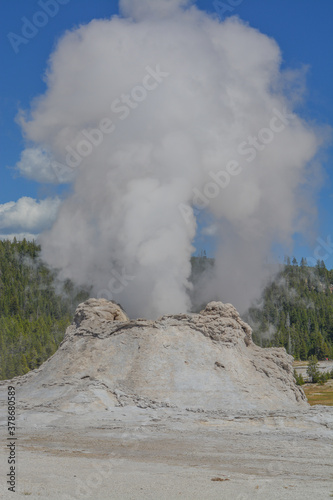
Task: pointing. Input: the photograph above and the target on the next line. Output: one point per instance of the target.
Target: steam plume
(188, 97)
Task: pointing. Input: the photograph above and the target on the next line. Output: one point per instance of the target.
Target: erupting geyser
(156, 117)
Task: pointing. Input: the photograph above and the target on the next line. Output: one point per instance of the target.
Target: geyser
(153, 106)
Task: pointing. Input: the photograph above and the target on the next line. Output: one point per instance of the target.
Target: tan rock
(99, 310)
(198, 361)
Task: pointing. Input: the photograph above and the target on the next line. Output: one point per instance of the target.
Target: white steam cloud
(160, 113)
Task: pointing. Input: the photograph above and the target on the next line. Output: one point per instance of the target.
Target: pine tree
(312, 369)
(33, 318)
(298, 303)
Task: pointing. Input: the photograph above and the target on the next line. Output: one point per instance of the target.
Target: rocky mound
(205, 360)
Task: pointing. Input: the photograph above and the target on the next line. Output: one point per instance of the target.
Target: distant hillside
(295, 310)
(33, 317)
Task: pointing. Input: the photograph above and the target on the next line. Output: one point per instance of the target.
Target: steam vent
(197, 361)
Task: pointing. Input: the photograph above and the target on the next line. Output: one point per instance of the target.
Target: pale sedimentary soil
(135, 453)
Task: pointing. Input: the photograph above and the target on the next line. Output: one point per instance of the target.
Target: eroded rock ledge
(220, 322)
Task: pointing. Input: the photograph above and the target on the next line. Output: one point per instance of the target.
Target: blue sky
(302, 29)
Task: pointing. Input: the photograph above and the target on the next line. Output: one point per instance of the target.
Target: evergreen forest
(296, 311)
(35, 308)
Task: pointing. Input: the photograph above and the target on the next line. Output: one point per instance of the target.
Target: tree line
(296, 311)
(35, 309)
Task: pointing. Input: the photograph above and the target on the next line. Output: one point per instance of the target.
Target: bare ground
(133, 453)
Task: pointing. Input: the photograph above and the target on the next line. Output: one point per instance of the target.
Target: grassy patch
(300, 363)
(319, 394)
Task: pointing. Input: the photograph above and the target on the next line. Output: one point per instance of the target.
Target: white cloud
(27, 217)
(38, 165)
